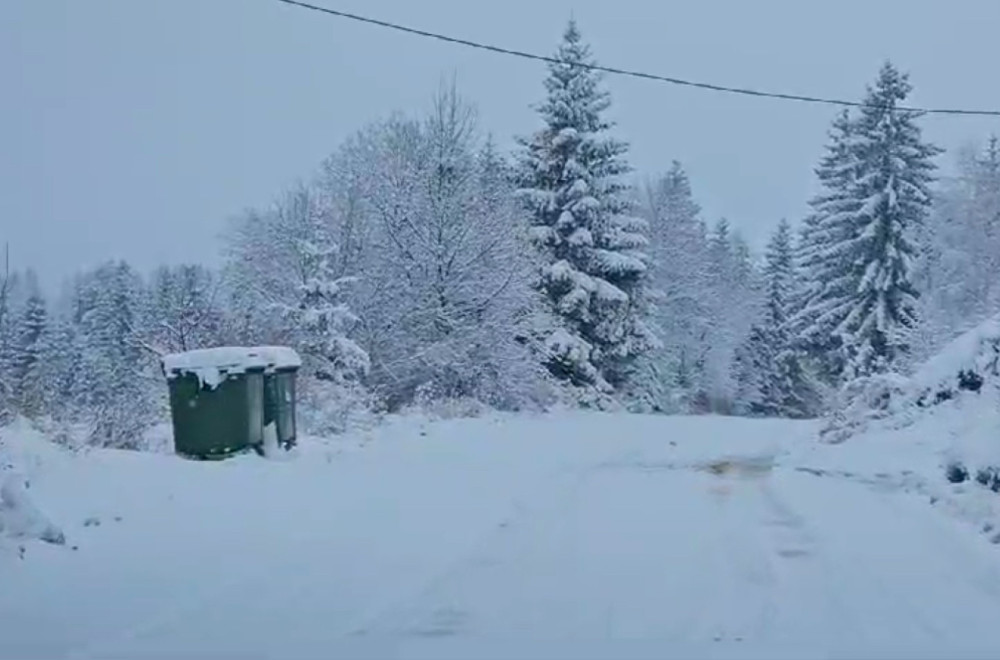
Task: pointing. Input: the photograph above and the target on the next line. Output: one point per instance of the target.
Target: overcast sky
(134, 128)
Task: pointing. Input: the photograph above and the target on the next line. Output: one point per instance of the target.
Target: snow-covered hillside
(568, 535)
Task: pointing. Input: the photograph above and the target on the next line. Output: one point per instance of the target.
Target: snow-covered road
(563, 536)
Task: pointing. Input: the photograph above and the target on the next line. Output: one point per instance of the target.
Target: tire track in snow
(873, 555)
(742, 577)
(412, 615)
(806, 571)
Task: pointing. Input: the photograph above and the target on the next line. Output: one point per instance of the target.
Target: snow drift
(19, 517)
(23, 453)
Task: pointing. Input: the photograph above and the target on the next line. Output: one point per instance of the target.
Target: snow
(963, 376)
(19, 517)
(910, 432)
(565, 535)
(279, 357)
(223, 357)
(618, 263)
(210, 364)
(581, 236)
(271, 448)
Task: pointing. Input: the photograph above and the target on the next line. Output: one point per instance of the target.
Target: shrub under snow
(959, 388)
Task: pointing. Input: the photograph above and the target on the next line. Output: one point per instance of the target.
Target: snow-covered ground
(568, 535)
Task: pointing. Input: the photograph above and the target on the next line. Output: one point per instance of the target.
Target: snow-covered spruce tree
(770, 380)
(822, 258)
(679, 276)
(779, 276)
(894, 169)
(733, 297)
(6, 343)
(61, 367)
(117, 382)
(862, 306)
(594, 271)
(30, 353)
(11, 306)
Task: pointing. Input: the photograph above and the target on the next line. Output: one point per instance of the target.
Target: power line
(745, 91)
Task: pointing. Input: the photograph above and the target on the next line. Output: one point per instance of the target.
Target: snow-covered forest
(421, 265)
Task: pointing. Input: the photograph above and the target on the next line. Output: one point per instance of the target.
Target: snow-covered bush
(324, 407)
(436, 406)
(864, 402)
(969, 366)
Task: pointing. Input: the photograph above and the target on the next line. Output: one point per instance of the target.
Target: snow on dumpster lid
(278, 357)
(208, 363)
(230, 358)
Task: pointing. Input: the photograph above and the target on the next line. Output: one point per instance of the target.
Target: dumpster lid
(208, 363)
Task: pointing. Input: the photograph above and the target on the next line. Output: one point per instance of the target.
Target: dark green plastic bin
(279, 404)
(221, 399)
(220, 421)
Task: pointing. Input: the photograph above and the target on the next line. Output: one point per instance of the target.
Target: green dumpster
(216, 400)
(222, 400)
(279, 393)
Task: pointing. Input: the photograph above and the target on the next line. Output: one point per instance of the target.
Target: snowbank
(936, 433)
(24, 453)
(19, 517)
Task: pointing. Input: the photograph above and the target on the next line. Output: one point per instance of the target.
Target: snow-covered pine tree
(581, 221)
(733, 297)
(753, 372)
(30, 352)
(822, 258)
(6, 340)
(894, 170)
(116, 383)
(679, 275)
(779, 276)
(61, 368)
(770, 380)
